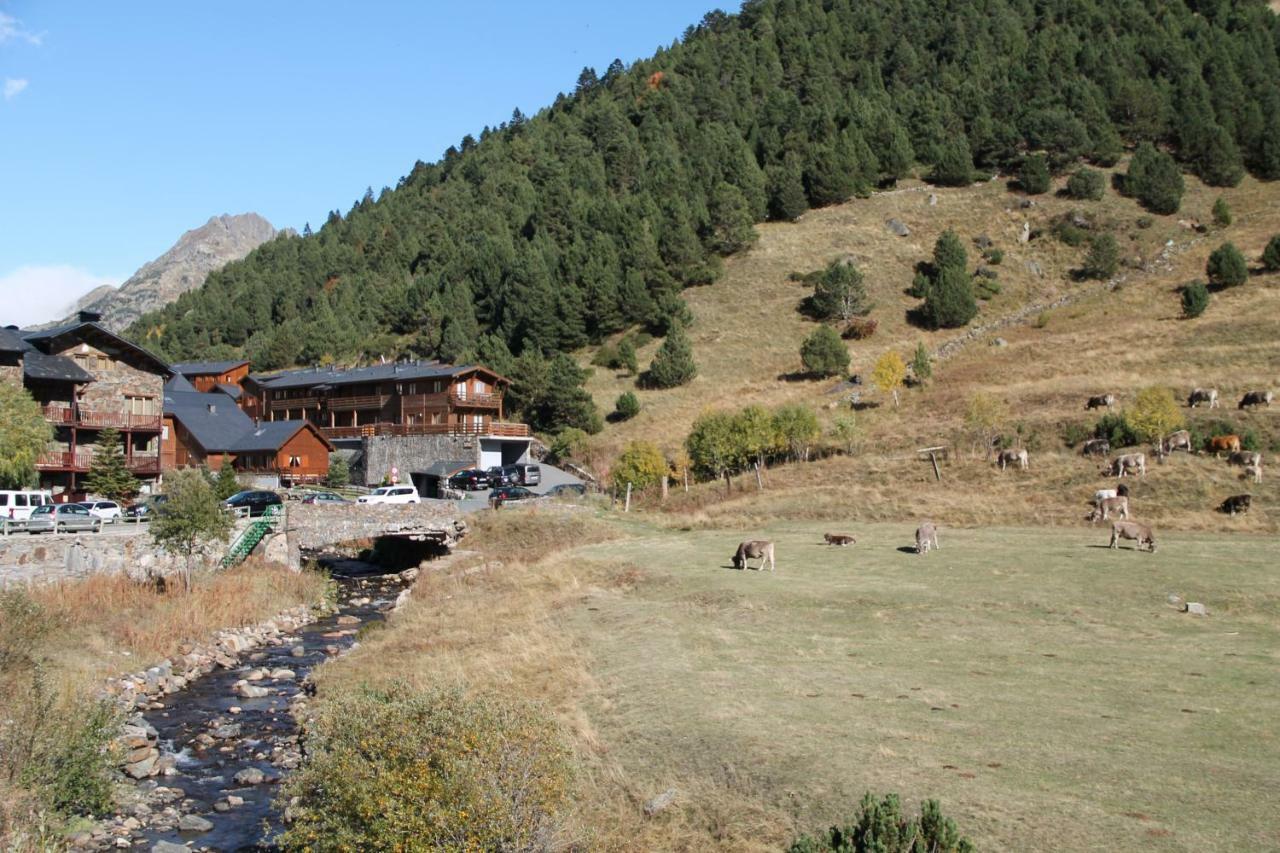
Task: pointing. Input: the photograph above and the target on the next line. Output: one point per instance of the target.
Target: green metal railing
(249, 538)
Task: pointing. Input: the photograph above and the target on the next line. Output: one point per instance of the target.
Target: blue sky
(123, 125)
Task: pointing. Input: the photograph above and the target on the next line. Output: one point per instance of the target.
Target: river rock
(227, 732)
(256, 674)
(410, 575)
(298, 651)
(249, 691)
(348, 620)
(193, 823)
(169, 847)
(283, 674)
(250, 776)
(145, 767)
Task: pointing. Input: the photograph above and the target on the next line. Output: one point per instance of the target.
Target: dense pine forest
(550, 232)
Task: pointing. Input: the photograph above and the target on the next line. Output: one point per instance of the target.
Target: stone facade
(413, 453)
(114, 379)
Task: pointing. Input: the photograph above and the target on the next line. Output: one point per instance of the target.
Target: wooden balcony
(295, 403)
(474, 400)
(82, 461)
(100, 419)
(486, 428)
(349, 404)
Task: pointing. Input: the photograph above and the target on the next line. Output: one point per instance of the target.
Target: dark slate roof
(79, 328)
(268, 437)
(358, 375)
(178, 382)
(232, 391)
(217, 430)
(11, 341)
(206, 368)
(37, 365)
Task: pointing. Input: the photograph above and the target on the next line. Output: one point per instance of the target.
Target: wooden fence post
(627, 506)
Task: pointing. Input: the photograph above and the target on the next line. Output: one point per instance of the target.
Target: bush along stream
(207, 758)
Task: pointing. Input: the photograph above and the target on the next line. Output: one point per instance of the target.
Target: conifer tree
(840, 292)
(1103, 258)
(225, 484)
(823, 353)
(109, 476)
(1034, 174)
(950, 302)
(1271, 255)
(1221, 212)
(922, 364)
(1227, 267)
(787, 200)
(948, 251)
(673, 363)
(1154, 180)
(955, 163)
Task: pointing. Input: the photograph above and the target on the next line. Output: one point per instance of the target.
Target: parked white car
(391, 495)
(18, 505)
(108, 511)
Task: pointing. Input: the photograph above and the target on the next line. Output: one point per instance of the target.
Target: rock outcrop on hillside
(184, 267)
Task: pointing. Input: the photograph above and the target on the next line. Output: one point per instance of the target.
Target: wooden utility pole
(627, 506)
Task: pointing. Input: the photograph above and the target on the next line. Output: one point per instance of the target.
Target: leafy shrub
(920, 284)
(567, 444)
(881, 827)
(397, 768)
(627, 406)
(1221, 213)
(1103, 258)
(1195, 299)
(1070, 233)
(641, 464)
(1086, 184)
(1271, 255)
(985, 286)
(1115, 429)
(859, 328)
(823, 353)
(993, 256)
(607, 357)
(1074, 433)
(1227, 267)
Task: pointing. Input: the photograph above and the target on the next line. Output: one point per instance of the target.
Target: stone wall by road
(414, 453)
(45, 558)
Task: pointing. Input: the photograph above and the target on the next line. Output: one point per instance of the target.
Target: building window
(295, 461)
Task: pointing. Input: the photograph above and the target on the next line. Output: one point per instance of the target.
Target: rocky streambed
(211, 751)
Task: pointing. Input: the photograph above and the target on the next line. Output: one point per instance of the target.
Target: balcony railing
(82, 460)
(347, 404)
(486, 428)
(471, 398)
(99, 419)
(295, 403)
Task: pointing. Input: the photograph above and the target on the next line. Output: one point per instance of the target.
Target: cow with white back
(1096, 447)
(1256, 398)
(1128, 463)
(1012, 457)
(1102, 401)
(1208, 396)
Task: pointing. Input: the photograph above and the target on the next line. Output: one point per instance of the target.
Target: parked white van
(17, 505)
(391, 495)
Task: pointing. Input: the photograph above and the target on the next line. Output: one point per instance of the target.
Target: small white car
(108, 511)
(391, 495)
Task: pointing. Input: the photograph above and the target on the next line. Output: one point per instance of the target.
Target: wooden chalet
(87, 379)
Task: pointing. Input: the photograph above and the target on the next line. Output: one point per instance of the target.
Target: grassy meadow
(1039, 684)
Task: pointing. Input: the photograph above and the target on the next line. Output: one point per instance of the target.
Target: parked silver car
(61, 518)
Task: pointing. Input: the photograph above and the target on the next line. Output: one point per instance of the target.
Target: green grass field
(1038, 684)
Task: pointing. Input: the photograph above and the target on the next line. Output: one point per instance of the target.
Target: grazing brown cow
(1256, 398)
(1096, 447)
(1220, 444)
(1102, 401)
(1180, 440)
(1127, 464)
(1236, 504)
(926, 538)
(839, 539)
(1140, 533)
(754, 549)
(1108, 506)
(1012, 457)
(1203, 395)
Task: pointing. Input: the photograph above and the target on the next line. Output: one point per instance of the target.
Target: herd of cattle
(1106, 502)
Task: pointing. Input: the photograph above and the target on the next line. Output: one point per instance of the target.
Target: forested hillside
(550, 232)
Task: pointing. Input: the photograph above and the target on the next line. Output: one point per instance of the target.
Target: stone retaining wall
(41, 559)
(414, 453)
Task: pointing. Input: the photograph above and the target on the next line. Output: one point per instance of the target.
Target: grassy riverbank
(58, 642)
(1041, 686)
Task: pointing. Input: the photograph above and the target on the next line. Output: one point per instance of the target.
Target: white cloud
(13, 87)
(32, 294)
(11, 29)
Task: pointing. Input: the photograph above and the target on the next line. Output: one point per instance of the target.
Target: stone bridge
(320, 527)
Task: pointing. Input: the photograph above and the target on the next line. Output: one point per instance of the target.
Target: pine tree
(823, 353)
(225, 484)
(109, 476)
(1271, 255)
(921, 364)
(955, 163)
(626, 407)
(732, 228)
(787, 200)
(1034, 174)
(627, 356)
(1227, 267)
(950, 302)
(673, 363)
(1154, 180)
(1195, 299)
(948, 251)
(1221, 213)
(840, 292)
(1103, 258)
(339, 471)
(1086, 184)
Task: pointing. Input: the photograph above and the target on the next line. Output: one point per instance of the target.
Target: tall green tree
(24, 435)
(1155, 180)
(225, 484)
(190, 519)
(840, 291)
(673, 363)
(109, 476)
(950, 303)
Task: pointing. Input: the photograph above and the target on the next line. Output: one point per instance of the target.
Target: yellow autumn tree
(1154, 414)
(889, 373)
